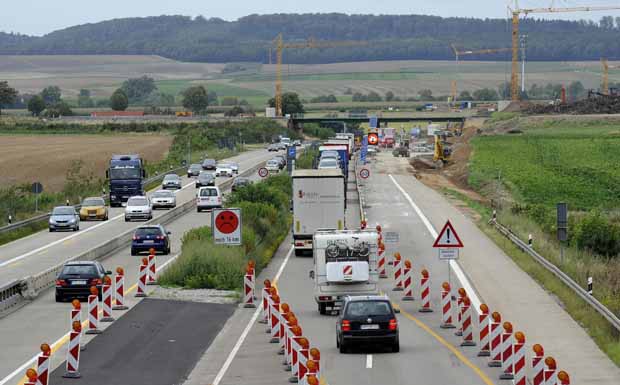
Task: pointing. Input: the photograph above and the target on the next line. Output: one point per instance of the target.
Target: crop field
(48, 157)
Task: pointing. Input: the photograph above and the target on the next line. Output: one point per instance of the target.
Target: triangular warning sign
(448, 237)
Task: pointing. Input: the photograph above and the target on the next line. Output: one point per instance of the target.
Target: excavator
(442, 152)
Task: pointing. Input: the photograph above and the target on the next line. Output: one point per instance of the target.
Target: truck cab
(125, 175)
(345, 263)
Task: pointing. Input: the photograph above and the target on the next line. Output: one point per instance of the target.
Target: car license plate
(148, 241)
(369, 327)
(80, 282)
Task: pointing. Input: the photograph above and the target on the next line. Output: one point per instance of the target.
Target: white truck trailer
(318, 203)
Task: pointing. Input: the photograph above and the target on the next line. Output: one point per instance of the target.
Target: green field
(175, 87)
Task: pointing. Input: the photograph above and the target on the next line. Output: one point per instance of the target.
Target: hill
(390, 37)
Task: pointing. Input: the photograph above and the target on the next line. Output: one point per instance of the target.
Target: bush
(595, 232)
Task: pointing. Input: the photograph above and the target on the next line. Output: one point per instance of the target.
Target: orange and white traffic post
(398, 272)
(312, 372)
(265, 296)
(459, 311)
(142, 278)
(285, 310)
(496, 340)
(248, 288)
(151, 268)
(76, 315)
(288, 354)
(381, 264)
(425, 292)
(302, 361)
(119, 290)
(468, 330)
(563, 377)
(43, 364)
(295, 350)
(519, 359)
(483, 331)
(93, 312)
(315, 354)
(275, 319)
(311, 379)
(507, 353)
(538, 365)
(407, 282)
(106, 302)
(270, 293)
(31, 377)
(446, 306)
(551, 377)
(73, 352)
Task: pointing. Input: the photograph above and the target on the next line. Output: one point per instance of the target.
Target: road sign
(226, 226)
(391, 237)
(446, 254)
(364, 151)
(364, 173)
(373, 139)
(373, 122)
(36, 188)
(448, 238)
(263, 172)
(291, 151)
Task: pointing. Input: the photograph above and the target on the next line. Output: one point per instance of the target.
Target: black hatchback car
(147, 237)
(240, 182)
(76, 278)
(367, 320)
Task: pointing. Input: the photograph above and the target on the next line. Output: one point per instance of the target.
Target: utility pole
(523, 39)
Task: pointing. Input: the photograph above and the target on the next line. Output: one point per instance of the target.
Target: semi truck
(126, 175)
(345, 263)
(318, 203)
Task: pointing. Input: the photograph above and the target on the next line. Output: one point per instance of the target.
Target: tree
(465, 95)
(607, 22)
(374, 97)
(504, 90)
(138, 89)
(426, 94)
(119, 100)
(212, 96)
(235, 111)
(196, 99)
(486, 94)
(58, 109)
(36, 105)
(389, 96)
(84, 99)
(291, 104)
(575, 90)
(159, 99)
(8, 94)
(51, 95)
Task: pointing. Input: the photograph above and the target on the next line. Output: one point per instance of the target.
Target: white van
(208, 197)
(345, 263)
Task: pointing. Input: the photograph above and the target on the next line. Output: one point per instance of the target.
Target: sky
(38, 17)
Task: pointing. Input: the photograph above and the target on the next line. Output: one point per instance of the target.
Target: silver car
(171, 181)
(163, 199)
(138, 207)
(64, 218)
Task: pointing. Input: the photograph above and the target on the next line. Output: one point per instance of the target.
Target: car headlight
(52, 221)
(72, 220)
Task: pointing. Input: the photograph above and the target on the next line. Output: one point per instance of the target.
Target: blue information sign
(292, 151)
(364, 151)
(373, 122)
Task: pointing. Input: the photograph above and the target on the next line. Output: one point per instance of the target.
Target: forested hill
(389, 37)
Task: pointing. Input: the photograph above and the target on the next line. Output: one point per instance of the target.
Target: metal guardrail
(568, 281)
(42, 217)
(18, 292)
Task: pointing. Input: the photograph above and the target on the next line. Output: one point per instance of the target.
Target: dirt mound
(600, 104)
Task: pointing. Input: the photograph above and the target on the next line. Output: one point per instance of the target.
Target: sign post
(226, 225)
(448, 244)
(291, 154)
(562, 225)
(36, 188)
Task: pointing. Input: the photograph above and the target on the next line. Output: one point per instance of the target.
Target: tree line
(389, 37)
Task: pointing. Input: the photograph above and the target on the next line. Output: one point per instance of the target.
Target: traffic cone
(31, 376)
(519, 359)
(142, 278)
(93, 312)
(425, 292)
(483, 331)
(446, 306)
(551, 377)
(496, 339)
(119, 290)
(468, 333)
(152, 269)
(107, 300)
(73, 352)
(538, 365)
(507, 354)
(408, 290)
(43, 365)
(398, 271)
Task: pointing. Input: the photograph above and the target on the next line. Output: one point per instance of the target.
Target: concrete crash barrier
(16, 293)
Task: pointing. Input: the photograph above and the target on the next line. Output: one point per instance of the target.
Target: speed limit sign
(364, 173)
(263, 172)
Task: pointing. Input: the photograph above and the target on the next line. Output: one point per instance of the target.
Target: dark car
(76, 278)
(240, 182)
(209, 164)
(171, 181)
(205, 179)
(367, 320)
(194, 170)
(147, 237)
(282, 159)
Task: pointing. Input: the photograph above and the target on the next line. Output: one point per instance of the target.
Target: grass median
(266, 221)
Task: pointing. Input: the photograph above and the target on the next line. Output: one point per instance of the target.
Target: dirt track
(46, 158)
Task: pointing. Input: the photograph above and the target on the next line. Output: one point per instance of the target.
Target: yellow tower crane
(516, 13)
(605, 77)
(458, 53)
(280, 45)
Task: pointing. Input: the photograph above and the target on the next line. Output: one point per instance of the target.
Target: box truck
(318, 203)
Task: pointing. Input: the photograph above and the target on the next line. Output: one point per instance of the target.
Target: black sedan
(367, 320)
(77, 277)
(240, 182)
(205, 179)
(209, 164)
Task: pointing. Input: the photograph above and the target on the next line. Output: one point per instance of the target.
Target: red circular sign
(364, 173)
(227, 222)
(373, 139)
(263, 172)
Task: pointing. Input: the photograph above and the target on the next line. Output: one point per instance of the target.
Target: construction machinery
(442, 153)
(280, 45)
(458, 53)
(516, 13)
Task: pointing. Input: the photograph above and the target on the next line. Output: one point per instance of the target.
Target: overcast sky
(38, 17)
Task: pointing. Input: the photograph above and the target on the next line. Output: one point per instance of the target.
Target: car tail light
(135, 237)
(325, 298)
(299, 243)
(61, 282)
(95, 281)
(393, 324)
(346, 325)
(219, 200)
(160, 237)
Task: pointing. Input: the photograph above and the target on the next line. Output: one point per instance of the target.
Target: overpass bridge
(297, 121)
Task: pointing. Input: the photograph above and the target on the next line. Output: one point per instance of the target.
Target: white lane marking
(368, 361)
(453, 264)
(31, 362)
(246, 331)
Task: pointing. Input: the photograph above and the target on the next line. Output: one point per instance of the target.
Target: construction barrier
(106, 302)
(446, 306)
(398, 273)
(265, 295)
(425, 292)
(302, 361)
(295, 348)
(288, 354)
(43, 365)
(381, 264)
(73, 352)
(76, 315)
(93, 312)
(285, 310)
(551, 377)
(151, 268)
(312, 373)
(538, 365)
(119, 290)
(496, 339)
(468, 332)
(275, 319)
(483, 331)
(407, 282)
(519, 359)
(32, 377)
(563, 377)
(459, 311)
(507, 354)
(315, 354)
(248, 288)
(142, 277)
